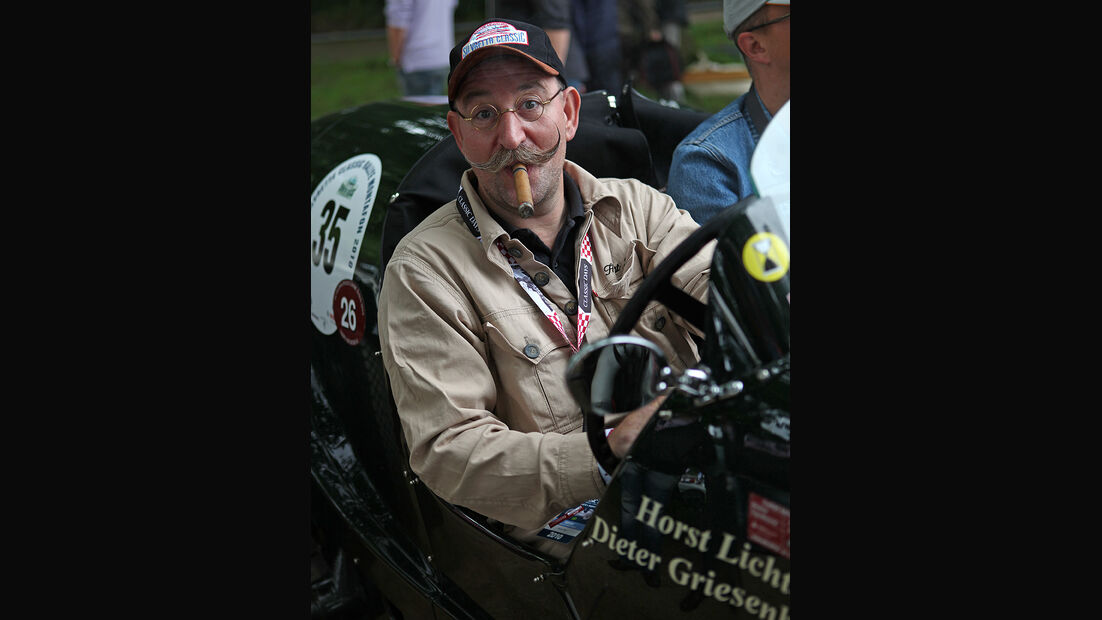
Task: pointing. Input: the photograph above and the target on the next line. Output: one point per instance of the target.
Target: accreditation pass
(569, 523)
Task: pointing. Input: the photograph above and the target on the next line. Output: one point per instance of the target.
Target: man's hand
(623, 436)
(395, 39)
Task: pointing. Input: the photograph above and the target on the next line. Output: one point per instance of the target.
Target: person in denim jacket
(710, 170)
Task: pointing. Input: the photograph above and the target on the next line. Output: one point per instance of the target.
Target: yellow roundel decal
(765, 257)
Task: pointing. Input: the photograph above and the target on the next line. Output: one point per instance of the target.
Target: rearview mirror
(617, 375)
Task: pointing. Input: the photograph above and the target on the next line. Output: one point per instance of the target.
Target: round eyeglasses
(485, 116)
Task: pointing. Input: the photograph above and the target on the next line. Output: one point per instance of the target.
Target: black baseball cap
(520, 38)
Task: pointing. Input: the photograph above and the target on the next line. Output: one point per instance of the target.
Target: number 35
(318, 251)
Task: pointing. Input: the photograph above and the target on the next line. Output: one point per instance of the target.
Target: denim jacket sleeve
(710, 170)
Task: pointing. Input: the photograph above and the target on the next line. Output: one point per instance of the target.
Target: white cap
(736, 11)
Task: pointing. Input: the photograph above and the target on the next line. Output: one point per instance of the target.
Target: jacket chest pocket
(655, 323)
(619, 279)
(529, 362)
(622, 273)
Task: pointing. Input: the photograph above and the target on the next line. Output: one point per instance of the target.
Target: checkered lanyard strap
(585, 277)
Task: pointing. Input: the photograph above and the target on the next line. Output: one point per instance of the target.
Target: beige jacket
(488, 426)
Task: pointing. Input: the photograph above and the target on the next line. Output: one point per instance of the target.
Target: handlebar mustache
(528, 156)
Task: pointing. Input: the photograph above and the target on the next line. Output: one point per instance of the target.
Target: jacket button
(571, 307)
(532, 351)
(515, 252)
(660, 323)
(541, 278)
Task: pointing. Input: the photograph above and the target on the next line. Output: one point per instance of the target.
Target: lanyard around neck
(585, 276)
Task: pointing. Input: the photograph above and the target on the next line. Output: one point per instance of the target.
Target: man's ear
(572, 106)
(454, 121)
(752, 47)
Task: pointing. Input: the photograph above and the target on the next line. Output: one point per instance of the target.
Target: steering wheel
(658, 286)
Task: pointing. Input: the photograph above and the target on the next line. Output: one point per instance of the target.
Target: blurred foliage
(339, 83)
(707, 38)
(337, 15)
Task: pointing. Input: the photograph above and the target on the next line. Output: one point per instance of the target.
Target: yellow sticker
(765, 257)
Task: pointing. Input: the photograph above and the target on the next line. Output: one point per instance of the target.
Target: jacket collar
(596, 198)
(755, 110)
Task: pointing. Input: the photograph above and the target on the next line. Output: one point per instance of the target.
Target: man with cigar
(485, 301)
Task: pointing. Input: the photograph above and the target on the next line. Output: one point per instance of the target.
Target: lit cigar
(524, 190)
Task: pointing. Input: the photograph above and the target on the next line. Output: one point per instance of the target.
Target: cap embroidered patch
(495, 33)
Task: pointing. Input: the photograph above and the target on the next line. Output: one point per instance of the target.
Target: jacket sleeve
(702, 181)
(398, 13)
(553, 14)
(435, 353)
(663, 226)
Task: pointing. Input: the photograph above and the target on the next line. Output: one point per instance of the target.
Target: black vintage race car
(695, 520)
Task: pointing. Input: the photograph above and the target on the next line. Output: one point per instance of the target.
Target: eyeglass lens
(527, 107)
